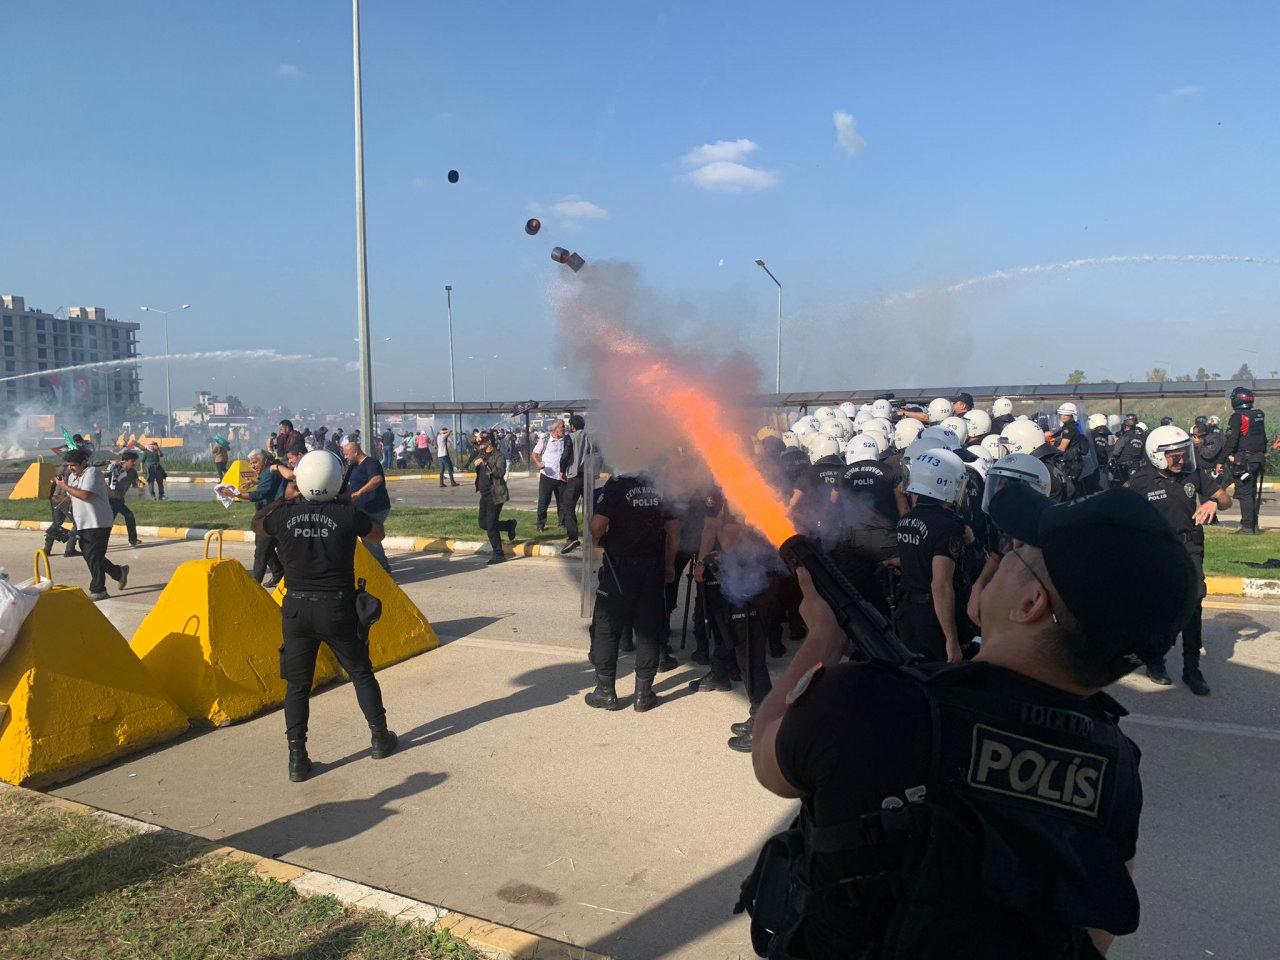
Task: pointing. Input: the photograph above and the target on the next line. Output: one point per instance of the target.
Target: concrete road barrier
(212, 642)
(34, 482)
(77, 695)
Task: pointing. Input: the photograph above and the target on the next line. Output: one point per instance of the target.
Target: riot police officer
(316, 538)
(873, 504)
(987, 809)
(1128, 453)
(1245, 449)
(640, 537)
(931, 540)
(1187, 496)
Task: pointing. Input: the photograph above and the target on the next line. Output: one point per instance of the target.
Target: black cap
(965, 398)
(75, 456)
(1115, 562)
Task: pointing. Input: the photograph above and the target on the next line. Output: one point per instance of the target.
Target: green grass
(75, 887)
(1227, 554)
(405, 521)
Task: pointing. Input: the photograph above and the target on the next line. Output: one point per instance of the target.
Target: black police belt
(320, 594)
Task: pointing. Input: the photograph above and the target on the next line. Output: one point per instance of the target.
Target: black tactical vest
(1011, 849)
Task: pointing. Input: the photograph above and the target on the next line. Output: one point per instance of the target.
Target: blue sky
(182, 152)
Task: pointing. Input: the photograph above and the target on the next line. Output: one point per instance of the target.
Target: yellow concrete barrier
(77, 696)
(34, 482)
(241, 476)
(212, 641)
(402, 631)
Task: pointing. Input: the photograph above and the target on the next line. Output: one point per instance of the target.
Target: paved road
(629, 834)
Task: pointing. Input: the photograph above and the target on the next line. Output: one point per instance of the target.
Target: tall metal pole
(777, 376)
(168, 396)
(362, 271)
(453, 392)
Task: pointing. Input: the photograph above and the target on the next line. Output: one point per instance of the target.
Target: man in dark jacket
(270, 488)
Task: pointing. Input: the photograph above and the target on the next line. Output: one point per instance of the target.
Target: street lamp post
(168, 397)
(484, 374)
(777, 374)
(362, 271)
(453, 393)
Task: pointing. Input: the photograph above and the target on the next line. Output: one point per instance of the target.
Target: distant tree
(1157, 375)
(1201, 373)
(1182, 378)
(1215, 376)
(1106, 381)
(1075, 376)
(1244, 373)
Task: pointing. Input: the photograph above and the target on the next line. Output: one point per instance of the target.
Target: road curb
(1243, 587)
(447, 545)
(494, 939)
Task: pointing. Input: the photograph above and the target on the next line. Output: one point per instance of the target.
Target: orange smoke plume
(701, 421)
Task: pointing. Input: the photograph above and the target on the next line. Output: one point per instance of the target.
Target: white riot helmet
(861, 417)
(1143, 427)
(849, 409)
(844, 420)
(823, 445)
(832, 427)
(1016, 468)
(882, 408)
(318, 476)
(916, 447)
(979, 422)
(822, 413)
(945, 436)
(1169, 439)
(1097, 421)
(886, 423)
(978, 464)
(991, 443)
(905, 431)
(982, 453)
(1068, 409)
(1115, 422)
(805, 425)
(938, 474)
(789, 439)
(959, 424)
(863, 447)
(865, 408)
(878, 427)
(1002, 407)
(1215, 420)
(1022, 436)
(939, 409)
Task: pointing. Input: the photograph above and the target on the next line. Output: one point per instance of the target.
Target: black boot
(701, 656)
(299, 762)
(646, 699)
(510, 527)
(1194, 680)
(741, 743)
(1158, 674)
(383, 743)
(709, 681)
(603, 697)
(666, 659)
(738, 729)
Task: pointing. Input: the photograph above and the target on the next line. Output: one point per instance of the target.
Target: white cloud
(1190, 90)
(574, 208)
(847, 133)
(722, 150)
(717, 166)
(289, 71)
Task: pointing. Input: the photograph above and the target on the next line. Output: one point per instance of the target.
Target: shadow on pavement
(450, 630)
(330, 822)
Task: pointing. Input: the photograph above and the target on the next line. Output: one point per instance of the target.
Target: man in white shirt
(91, 510)
(444, 453)
(547, 455)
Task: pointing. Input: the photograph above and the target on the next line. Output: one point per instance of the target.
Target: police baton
(1257, 497)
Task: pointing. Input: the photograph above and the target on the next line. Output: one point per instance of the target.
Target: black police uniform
(1061, 487)
(868, 495)
(1128, 454)
(1176, 496)
(630, 592)
(1101, 437)
(317, 545)
(1209, 452)
(1246, 442)
(1007, 808)
(930, 529)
